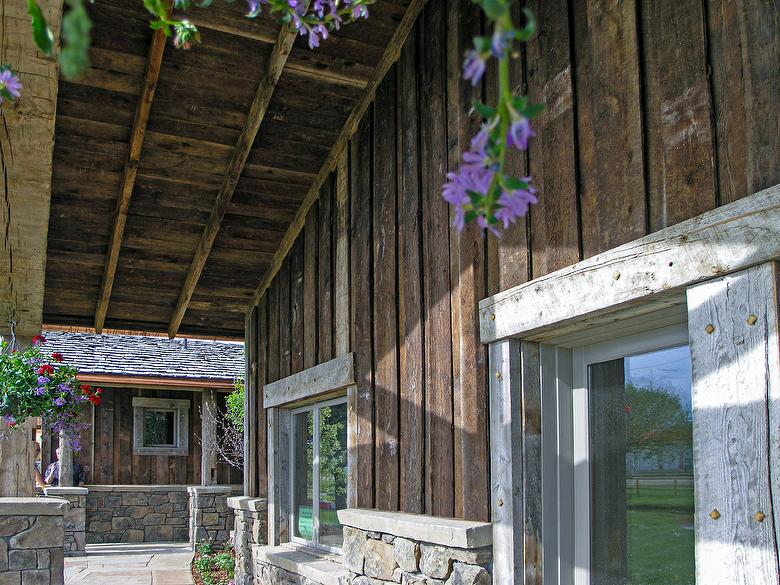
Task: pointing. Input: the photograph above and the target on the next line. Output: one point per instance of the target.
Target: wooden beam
(265, 91)
(143, 107)
(729, 238)
(324, 378)
(390, 56)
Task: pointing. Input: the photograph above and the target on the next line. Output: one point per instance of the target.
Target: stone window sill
(320, 567)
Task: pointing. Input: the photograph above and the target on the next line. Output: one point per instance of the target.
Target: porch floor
(131, 564)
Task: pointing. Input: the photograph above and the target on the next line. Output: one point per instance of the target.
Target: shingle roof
(136, 355)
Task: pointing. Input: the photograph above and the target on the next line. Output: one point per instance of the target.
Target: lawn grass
(660, 536)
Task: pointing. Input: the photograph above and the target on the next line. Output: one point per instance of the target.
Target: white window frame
(315, 513)
(576, 482)
(181, 410)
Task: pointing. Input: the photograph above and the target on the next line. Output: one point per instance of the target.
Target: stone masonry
(157, 513)
(249, 530)
(210, 517)
(75, 519)
(388, 548)
(31, 537)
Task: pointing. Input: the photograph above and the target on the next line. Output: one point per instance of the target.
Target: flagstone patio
(131, 564)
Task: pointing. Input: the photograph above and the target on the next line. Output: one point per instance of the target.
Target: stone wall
(210, 518)
(249, 530)
(75, 519)
(381, 548)
(31, 538)
(135, 513)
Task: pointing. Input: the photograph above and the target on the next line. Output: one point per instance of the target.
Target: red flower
(45, 370)
(86, 389)
(96, 400)
(99, 392)
(57, 356)
(39, 339)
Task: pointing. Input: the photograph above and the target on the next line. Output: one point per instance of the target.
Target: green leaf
(482, 44)
(484, 110)
(42, 34)
(157, 7)
(514, 184)
(529, 30)
(533, 110)
(494, 9)
(76, 29)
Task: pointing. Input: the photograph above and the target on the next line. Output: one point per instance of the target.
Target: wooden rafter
(144, 106)
(265, 91)
(390, 56)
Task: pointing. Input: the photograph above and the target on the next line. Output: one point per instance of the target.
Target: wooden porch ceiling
(177, 174)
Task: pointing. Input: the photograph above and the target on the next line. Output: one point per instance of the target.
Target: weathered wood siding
(114, 461)
(645, 126)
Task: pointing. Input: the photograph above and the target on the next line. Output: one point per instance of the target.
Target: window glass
(333, 472)
(303, 475)
(642, 470)
(159, 428)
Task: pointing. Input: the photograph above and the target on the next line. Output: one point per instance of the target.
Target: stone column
(65, 463)
(17, 453)
(210, 517)
(31, 538)
(208, 462)
(75, 519)
(249, 530)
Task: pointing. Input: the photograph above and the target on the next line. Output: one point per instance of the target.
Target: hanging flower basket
(34, 384)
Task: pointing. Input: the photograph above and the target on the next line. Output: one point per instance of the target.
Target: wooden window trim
(180, 407)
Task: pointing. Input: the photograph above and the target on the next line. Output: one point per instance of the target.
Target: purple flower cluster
(10, 86)
(315, 22)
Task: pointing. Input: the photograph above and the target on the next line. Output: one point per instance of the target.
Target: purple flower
(59, 401)
(65, 388)
(520, 132)
(483, 223)
(514, 204)
(40, 391)
(460, 186)
(360, 11)
(11, 420)
(474, 67)
(500, 43)
(42, 380)
(254, 8)
(9, 82)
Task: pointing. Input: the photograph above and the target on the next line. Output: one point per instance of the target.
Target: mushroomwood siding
(635, 138)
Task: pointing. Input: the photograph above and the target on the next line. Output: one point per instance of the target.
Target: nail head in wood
(616, 276)
(500, 502)
(759, 516)
(714, 514)
(752, 320)
(710, 328)
(492, 316)
(498, 375)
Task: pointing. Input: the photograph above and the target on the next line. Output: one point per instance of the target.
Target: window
(318, 447)
(160, 426)
(625, 463)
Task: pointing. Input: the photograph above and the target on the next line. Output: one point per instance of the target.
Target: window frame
(315, 408)
(567, 398)
(181, 410)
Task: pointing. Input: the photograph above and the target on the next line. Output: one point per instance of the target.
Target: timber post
(65, 463)
(208, 470)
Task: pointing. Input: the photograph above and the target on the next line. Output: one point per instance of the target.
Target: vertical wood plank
(736, 376)
(272, 370)
(555, 239)
(744, 49)
(285, 342)
(439, 480)
(250, 404)
(278, 476)
(325, 267)
(310, 320)
(104, 432)
(260, 418)
(467, 283)
(360, 306)
(612, 184)
(197, 430)
(341, 235)
(681, 178)
(532, 463)
(296, 306)
(410, 313)
(385, 267)
(506, 457)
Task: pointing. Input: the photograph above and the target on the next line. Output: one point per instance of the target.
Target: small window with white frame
(318, 473)
(160, 426)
